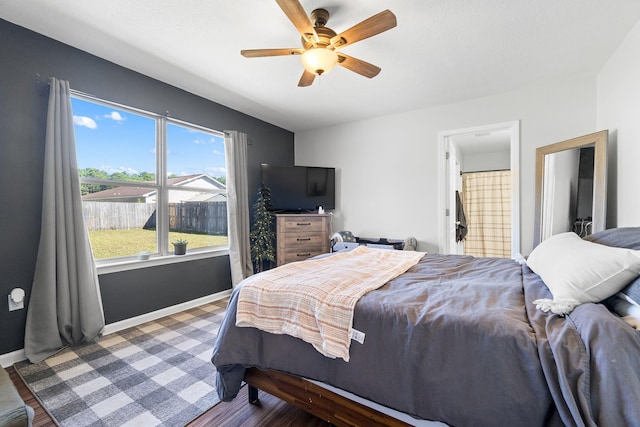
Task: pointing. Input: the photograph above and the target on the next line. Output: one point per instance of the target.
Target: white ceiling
(442, 51)
(483, 142)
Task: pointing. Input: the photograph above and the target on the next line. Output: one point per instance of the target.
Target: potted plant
(180, 247)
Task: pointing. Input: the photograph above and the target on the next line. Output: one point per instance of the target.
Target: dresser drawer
(302, 225)
(306, 240)
(290, 256)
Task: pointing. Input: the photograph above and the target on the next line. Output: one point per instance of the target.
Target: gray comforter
(457, 339)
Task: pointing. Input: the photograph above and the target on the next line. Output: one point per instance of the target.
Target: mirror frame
(597, 140)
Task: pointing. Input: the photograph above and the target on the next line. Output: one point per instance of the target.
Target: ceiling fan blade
(358, 66)
(256, 53)
(306, 79)
(299, 18)
(376, 24)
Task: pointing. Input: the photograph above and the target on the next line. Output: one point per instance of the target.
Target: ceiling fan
(321, 45)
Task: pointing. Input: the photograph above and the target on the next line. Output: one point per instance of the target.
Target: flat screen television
(300, 188)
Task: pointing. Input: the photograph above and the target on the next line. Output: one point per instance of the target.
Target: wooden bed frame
(310, 397)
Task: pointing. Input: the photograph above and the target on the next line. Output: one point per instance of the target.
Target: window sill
(132, 263)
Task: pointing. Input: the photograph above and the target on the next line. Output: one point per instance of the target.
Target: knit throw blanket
(314, 299)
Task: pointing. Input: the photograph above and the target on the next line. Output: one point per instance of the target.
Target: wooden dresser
(301, 236)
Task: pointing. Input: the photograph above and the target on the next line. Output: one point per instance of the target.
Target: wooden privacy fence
(191, 217)
(199, 217)
(117, 216)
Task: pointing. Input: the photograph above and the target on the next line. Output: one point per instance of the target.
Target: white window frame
(164, 255)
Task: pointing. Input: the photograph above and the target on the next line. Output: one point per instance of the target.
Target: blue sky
(114, 140)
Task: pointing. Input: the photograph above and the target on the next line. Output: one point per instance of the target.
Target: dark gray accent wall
(130, 293)
(27, 60)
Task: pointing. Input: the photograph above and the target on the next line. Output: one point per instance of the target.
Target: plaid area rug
(155, 374)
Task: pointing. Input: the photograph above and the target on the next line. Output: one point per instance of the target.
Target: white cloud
(110, 169)
(114, 115)
(85, 121)
(204, 141)
(128, 170)
(218, 171)
(217, 152)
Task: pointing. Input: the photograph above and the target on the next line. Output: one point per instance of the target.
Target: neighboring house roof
(119, 192)
(186, 179)
(141, 192)
(208, 198)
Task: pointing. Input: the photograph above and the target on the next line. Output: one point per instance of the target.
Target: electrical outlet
(14, 305)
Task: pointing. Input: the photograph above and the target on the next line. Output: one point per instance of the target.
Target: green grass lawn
(117, 243)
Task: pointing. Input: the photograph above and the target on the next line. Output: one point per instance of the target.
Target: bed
(464, 341)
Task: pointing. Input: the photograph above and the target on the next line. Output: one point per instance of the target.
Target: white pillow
(577, 271)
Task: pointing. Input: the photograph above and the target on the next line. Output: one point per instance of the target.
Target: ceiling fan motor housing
(319, 17)
(324, 38)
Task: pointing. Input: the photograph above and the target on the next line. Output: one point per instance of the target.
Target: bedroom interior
(382, 135)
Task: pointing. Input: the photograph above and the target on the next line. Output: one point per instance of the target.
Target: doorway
(473, 150)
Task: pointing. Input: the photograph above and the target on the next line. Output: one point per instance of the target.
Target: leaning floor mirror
(571, 186)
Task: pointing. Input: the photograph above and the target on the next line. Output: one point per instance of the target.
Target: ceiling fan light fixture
(319, 60)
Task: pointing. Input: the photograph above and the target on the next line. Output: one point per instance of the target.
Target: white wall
(386, 174)
(618, 109)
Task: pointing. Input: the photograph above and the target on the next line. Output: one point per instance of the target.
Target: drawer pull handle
(307, 254)
(303, 223)
(303, 239)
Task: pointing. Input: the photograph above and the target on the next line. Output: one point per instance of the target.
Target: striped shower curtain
(487, 203)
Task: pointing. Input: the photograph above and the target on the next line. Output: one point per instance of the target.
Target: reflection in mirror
(571, 186)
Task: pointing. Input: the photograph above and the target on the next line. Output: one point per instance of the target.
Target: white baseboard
(8, 359)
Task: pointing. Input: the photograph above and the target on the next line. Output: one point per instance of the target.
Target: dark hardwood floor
(41, 418)
(239, 413)
(270, 411)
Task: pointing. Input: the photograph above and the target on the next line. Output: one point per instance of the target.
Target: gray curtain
(235, 144)
(65, 307)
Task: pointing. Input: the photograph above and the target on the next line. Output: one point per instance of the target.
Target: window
(148, 180)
